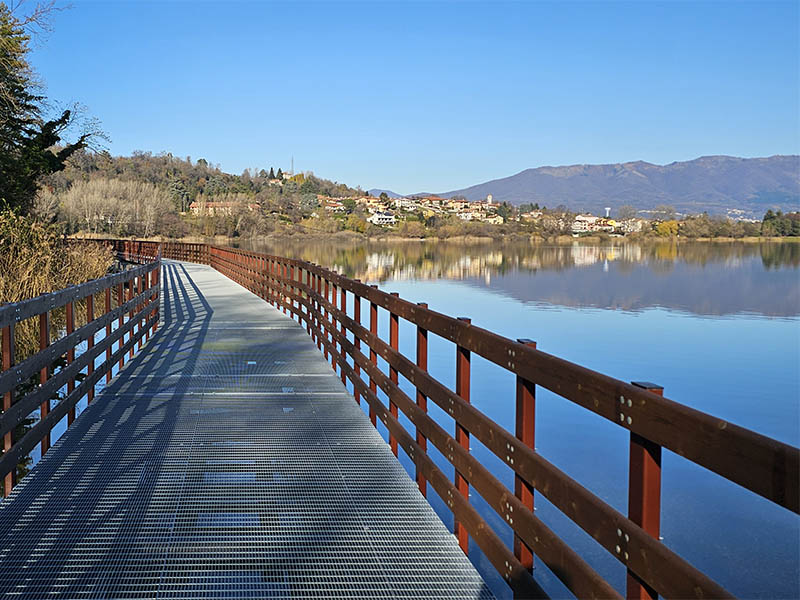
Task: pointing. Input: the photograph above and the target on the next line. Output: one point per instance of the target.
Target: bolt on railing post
(44, 342)
(70, 316)
(462, 436)
(7, 346)
(90, 345)
(644, 491)
(357, 342)
(422, 401)
(525, 432)
(394, 332)
(343, 308)
(373, 356)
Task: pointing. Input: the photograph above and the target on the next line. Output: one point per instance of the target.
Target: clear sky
(431, 96)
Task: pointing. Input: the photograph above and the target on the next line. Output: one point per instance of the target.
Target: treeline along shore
(146, 195)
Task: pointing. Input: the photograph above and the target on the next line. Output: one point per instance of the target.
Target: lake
(716, 324)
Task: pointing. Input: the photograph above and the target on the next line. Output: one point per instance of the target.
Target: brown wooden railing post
(283, 288)
(325, 315)
(525, 432)
(394, 342)
(291, 289)
(310, 301)
(357, 344)
(318, 281)
(644, 492)
(108, 333)
(44, 342)
(343, 308)
(373, 355)
(70, 316)
(334, 324)
(422, 401)
(8, 398)
(139, 306)
(462, 436)
(120, 302)
(90, 345)
(148, 285)
(131, 294)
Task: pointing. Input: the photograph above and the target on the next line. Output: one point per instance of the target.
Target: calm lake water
(718, 325)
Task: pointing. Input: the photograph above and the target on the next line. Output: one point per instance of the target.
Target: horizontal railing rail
(318, 298)
(70, 362)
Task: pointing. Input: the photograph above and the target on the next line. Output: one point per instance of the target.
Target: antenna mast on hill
(293, 164)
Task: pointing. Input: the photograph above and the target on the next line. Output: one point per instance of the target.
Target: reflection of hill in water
(713, 289)
(702, 278)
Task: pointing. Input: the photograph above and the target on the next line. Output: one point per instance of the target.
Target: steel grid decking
(226, 460)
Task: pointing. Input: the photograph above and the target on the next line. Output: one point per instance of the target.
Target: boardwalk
(225, 460)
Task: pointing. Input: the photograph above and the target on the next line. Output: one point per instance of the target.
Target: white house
(382, 218)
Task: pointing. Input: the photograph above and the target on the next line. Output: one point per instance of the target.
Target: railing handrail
(141, 307)
(14, 312)
(740, 455)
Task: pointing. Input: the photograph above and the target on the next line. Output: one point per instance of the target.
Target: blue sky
(431, 96)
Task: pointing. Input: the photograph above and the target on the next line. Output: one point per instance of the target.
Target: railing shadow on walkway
(81, 469)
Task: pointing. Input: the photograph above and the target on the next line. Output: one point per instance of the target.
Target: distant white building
(583, 223)
(382, 218)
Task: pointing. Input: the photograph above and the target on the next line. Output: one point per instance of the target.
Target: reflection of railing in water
(137, 296)
(318, 298)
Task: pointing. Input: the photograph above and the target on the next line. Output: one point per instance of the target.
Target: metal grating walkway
(225, 461)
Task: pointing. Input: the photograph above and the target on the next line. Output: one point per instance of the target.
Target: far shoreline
(349, 237)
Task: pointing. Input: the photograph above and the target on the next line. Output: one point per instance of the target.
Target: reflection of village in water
(381, 266)
(699, 277)
(380, 261)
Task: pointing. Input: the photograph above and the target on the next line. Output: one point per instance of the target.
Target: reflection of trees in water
(775, 256)
(433, 260)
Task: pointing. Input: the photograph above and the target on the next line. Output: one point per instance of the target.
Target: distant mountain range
(716, 184)
(377, 192)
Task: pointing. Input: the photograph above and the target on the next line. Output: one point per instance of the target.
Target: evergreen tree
(26, 137)
(271, 173)
(280, 173)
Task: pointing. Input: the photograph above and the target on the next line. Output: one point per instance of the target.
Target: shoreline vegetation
(344, 237)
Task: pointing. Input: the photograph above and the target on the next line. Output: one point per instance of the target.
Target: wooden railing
(318, 297)
(130, 312)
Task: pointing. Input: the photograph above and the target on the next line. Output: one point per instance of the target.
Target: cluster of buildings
(484, 211)
(593, 224)
(216, 209)
(384, 211)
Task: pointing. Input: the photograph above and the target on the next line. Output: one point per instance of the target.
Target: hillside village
(387, 212)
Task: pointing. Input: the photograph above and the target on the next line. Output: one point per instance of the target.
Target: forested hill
(185, 180)
(714, 184)
(98, 192)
